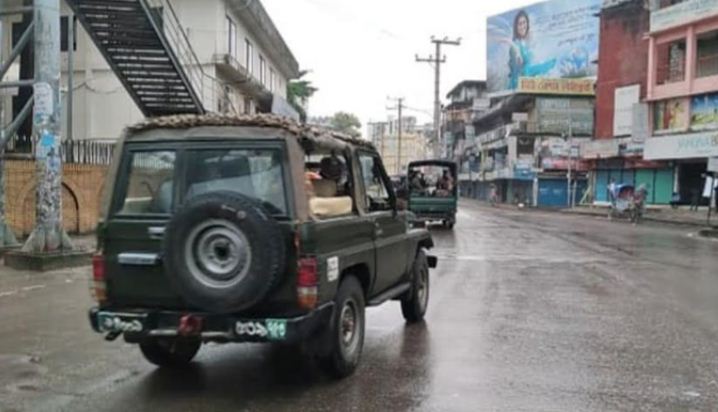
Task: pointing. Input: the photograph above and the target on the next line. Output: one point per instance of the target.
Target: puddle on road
(21, 373)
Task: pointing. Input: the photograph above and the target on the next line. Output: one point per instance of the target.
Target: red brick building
(622, 117)
(623, 59)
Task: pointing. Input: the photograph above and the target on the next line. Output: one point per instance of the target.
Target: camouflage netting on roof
(186, 121)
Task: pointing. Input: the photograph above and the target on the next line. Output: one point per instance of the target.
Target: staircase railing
(211, 91)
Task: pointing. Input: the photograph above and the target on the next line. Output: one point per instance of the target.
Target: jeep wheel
(223, 252)
(346, 331)
(170, 353)
(415, 303)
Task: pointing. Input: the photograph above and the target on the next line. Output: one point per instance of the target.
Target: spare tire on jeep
(223, 252)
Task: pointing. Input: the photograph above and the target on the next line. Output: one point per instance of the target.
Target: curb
(652, 219)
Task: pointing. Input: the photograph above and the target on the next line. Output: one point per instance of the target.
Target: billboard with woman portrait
(553, 40)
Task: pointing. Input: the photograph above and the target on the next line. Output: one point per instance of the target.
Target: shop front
(689, 154)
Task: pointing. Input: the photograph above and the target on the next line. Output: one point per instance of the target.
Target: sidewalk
(681, 216)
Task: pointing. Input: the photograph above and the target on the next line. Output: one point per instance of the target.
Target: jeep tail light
(307, 283)
(99, 285)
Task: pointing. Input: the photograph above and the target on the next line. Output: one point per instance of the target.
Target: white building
(245, 64)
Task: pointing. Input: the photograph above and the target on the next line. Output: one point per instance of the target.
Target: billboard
(670, 115)
(556, 39)
(704, 112)
(553, 115)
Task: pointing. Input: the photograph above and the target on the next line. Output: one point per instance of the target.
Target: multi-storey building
(229, 52)
(682, 90)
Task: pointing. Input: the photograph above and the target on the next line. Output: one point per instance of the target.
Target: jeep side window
(150, 183)
(375, 188)
(257, 174)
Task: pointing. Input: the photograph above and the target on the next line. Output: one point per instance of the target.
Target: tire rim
(218, 254)
(422, 288)
(348, 327)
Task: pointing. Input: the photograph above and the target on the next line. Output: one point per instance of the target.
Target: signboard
(520, 117)
(555, 39)
(713, 164)
(563, 164)
(578, 87)
(625, 98)
(600, 149)
(682, 13)
(641, 123)
(704, 112)
(553, 115)
(688, 146)
(613, 3)
(481, 105)
(671, 114)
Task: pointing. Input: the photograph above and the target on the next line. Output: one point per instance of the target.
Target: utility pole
(400, 109)
(570, 159)
(48, 237)
(437, 60)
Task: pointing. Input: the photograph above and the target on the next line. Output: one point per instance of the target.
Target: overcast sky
(360, 52)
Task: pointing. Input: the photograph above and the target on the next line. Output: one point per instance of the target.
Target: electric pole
(437, 60)
(48, 235)
(400, 109)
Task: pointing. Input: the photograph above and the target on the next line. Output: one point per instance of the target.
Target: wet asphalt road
(529, 311)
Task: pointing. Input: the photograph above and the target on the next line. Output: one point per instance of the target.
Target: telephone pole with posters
(48, 246)
(437, 60)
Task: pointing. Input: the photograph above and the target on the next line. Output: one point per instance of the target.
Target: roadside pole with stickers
(48, 235)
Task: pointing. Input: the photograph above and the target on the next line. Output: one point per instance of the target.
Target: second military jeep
(251, 229)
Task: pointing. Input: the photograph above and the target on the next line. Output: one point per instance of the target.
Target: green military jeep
(251, 229)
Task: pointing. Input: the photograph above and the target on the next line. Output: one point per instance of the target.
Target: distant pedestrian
(493, 195)
(695, 199)
(612, 190)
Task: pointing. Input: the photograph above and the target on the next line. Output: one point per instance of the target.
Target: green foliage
(346, 123)
(298, 92)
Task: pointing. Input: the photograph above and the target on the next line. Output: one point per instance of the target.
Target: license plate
(271, 329)
(114, 322)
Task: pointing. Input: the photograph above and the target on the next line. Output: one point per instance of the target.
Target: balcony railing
(671, 73)
(211, 91)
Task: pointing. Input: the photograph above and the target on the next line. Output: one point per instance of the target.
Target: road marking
(6, 294)
(34, 287)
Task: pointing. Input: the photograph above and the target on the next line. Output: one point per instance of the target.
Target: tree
(346, 123)
(298, 93)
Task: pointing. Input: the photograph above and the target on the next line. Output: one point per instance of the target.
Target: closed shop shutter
(646, 177)
(664, 186)
(552, 193)
(602, 179)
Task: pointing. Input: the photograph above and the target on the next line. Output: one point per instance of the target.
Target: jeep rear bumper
(137, 325)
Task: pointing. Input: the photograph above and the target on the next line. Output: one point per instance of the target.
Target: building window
(272, 80)
(707, 54)
(671, 62)
(262, 70)
(65, 34)
(249, 56)
(232, 38)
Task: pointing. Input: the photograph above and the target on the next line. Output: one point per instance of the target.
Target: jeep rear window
(256, 173)
(150, 183)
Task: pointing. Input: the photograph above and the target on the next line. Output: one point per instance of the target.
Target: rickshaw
(626, 202)
(433, 198)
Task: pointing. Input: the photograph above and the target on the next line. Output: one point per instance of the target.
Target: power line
(437, 60)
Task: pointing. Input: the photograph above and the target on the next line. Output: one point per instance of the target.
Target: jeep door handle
(156, 233)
